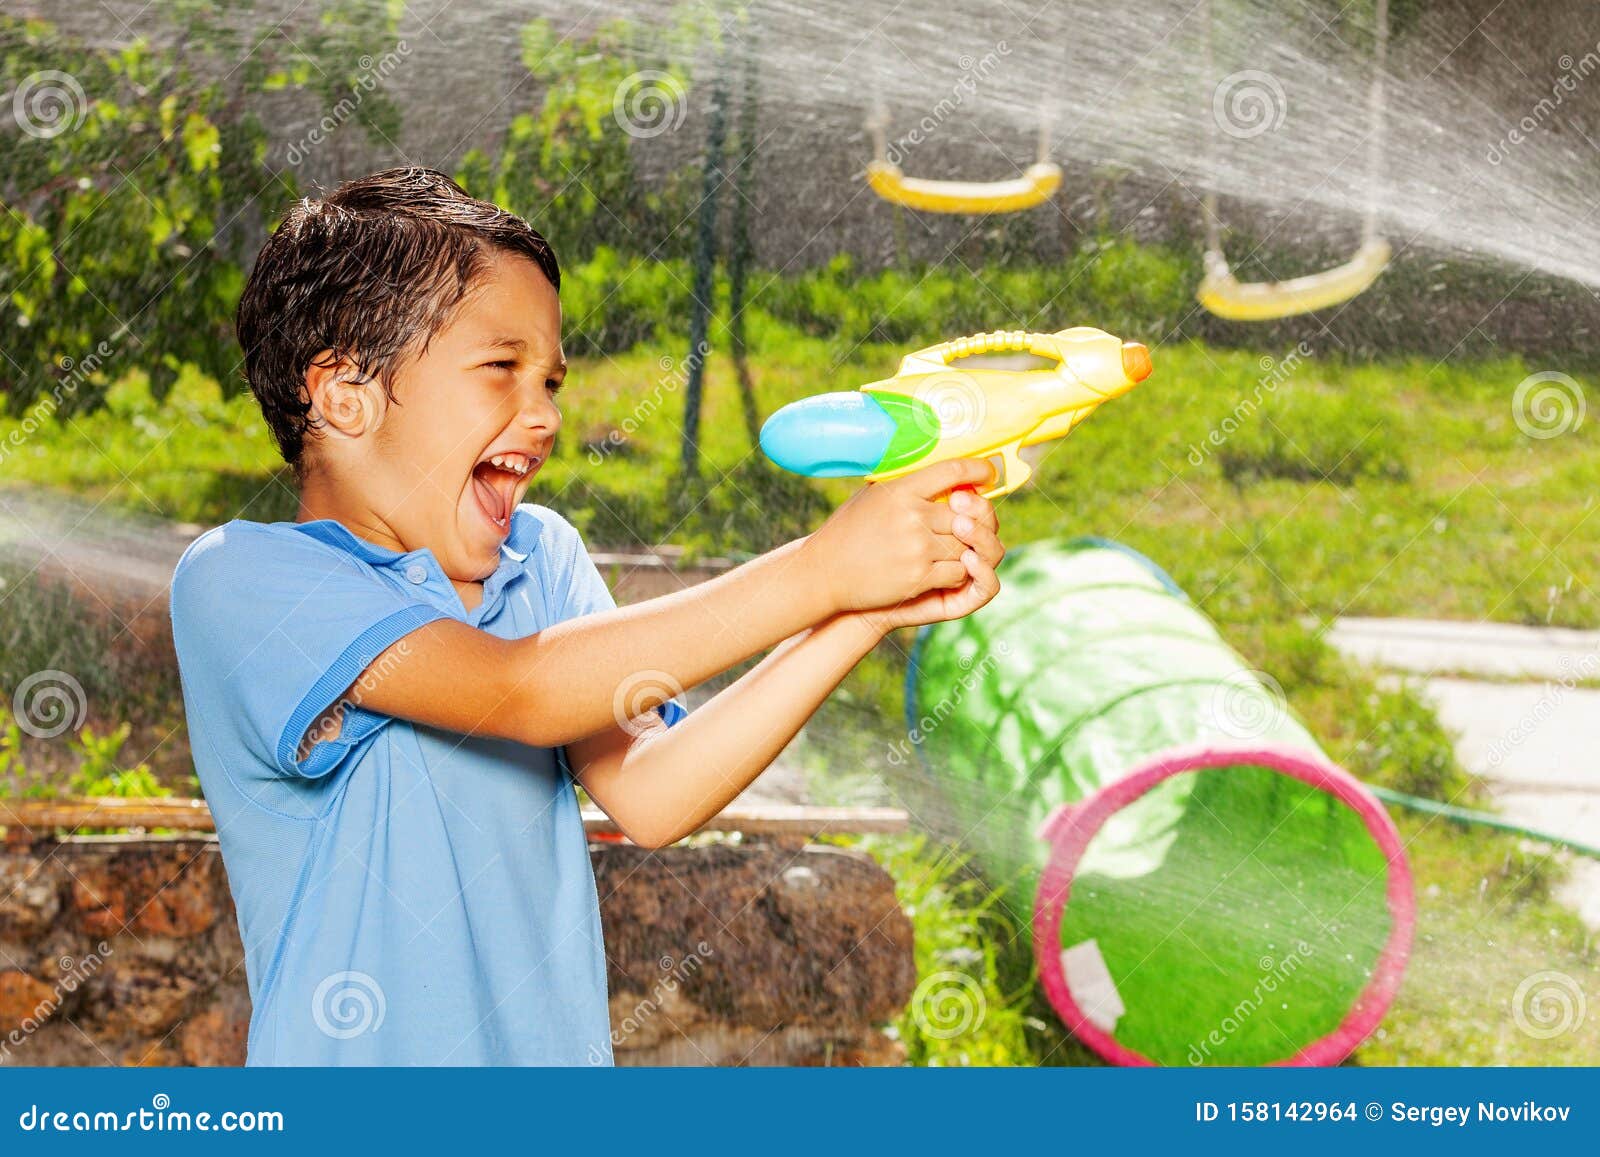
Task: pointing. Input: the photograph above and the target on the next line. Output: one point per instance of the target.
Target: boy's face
(474, 418)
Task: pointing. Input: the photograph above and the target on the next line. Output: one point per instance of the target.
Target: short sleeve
(271, 628)
(578, 589)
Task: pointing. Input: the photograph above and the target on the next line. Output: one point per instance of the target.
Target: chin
(477, 566)
(469, 561)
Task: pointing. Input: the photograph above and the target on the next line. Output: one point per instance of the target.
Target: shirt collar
(522, 540)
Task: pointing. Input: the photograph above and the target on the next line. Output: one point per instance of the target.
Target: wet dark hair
(371, 272)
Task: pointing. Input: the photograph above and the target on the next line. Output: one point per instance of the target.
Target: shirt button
(417, 574)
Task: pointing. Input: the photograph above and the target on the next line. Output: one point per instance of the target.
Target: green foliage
(17, 779)
(612, 302)
(1404, 746)
(135, 187)
(192, 457)
(1114, 284)
(1386, 735)
(567, 166)
(100, 773)
(341, 63)
(44, 627)
(109, 243)
(1126, 288)
(960, 1013)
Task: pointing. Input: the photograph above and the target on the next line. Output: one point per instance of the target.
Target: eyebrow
(514, 343)
(520, 346)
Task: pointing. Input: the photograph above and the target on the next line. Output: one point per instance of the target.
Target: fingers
(971, 503)
(984, 586)
(980, 538)
(976, 524)
(939, 518)
(982, 574)
(944, 575)
(933, 481)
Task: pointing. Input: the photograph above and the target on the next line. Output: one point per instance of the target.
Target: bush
(611, 303)
(89, 265)
(1403, 746)
(1117, 285)
(131, 197)
(568, 165)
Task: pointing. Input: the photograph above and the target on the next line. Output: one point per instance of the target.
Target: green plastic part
(916, 429)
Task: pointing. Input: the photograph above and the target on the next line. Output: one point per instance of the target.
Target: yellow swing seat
(1226, 296)
(1035, 186)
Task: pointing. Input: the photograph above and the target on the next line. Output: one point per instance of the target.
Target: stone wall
(123, 951)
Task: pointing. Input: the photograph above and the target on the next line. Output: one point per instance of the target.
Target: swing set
(1224, 295)
(1220, 292)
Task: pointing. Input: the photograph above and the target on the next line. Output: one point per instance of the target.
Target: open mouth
(496, 481)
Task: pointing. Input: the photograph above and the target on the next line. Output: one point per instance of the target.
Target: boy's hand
(893, 541)
(976, 524)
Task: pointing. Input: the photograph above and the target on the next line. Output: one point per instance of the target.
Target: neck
(470, 593)
(319, 498)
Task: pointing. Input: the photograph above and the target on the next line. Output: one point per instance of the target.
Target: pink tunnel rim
(1071, 826)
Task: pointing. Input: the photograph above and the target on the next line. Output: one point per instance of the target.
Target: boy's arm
(660, 784)
(585, 675)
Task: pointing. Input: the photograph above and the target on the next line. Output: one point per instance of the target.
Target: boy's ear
(344, 400)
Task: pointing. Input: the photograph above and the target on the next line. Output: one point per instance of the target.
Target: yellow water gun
(933, 409)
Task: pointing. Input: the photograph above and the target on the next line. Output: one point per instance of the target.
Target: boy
(390, 698)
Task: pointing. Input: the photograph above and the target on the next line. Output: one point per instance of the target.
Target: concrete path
(1535, 741)
(1497, 650)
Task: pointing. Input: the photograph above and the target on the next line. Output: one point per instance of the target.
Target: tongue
(495, 489)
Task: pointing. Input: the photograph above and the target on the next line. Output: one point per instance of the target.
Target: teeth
(514, 463)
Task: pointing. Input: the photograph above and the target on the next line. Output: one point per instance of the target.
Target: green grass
(963, 1012)
(1490, 941)
(1391, 489)
(195, 458)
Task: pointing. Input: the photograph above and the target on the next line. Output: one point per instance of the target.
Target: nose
(538, 411)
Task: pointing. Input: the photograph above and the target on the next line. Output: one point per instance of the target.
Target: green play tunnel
(1207, 886)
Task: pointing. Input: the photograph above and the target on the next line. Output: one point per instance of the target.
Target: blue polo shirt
(406, 896)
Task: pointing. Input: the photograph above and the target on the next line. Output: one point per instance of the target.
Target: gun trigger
(1011, 470)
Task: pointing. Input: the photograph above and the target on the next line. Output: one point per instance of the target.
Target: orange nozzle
(1136, 361)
